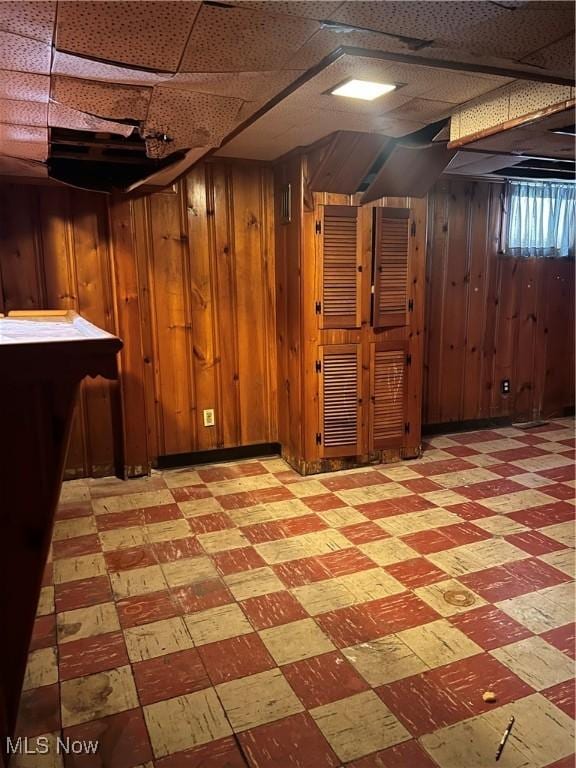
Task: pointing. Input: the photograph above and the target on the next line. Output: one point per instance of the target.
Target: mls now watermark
(42, 745)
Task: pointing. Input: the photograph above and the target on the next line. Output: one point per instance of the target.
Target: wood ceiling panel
(237, 39)
(31, 18)
(23, 54)
(24, 85)
(33, 113)
(61, 116)
(106, 100)
(141, 34)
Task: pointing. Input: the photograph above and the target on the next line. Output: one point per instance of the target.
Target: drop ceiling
(189, 77)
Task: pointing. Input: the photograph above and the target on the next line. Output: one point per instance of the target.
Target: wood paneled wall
(186, 277)
(491, 317)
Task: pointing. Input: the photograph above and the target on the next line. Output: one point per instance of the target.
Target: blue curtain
(541, 219)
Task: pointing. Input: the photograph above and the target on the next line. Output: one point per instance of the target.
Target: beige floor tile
(540, 463)
(70, 529)
(465, 477)
(388, 551)
(371, 584)
(42, 753)
(491, 446)
(197, 507)
(563, 560)
(76, 568)
(565, 533)
(169, 530)
(500, 525)
(46, 601)
(180, 478)
(217, 623)
(536, 662)
(189, 570)
(444, 498)
(443, 597)
(342, 591)
(241, 484)
(87, 622)
(258, 699)
(414, 522)
(253, 583)
(41, 669)
(185, 722)
(476, 556)
(295, 641)
(384, 660)
(96, 696)
(538, 611)
(264, 513)
(530, 480)
(483, 460)
(276, 465)
(398, 473)
(122, 538)
(138, 581)
(110, 504)
(472, 744)
(513, 502)
(157, 639)
(306, 545)
(221, 541)
(542, 732)
(370, 493)
(338, 518)
(435, 454)
(439, 643)
(359, 725)
(74, 490)
(304, 488)
(443, 441)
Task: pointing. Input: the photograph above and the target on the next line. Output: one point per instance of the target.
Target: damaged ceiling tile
(24, 85)
(33, 113)
(79, 66)
(23, 54)
(150, 35)
(32, 18)
(237, 39)
(248, 86)
(190, 119)
(107, 100)
(61, 116)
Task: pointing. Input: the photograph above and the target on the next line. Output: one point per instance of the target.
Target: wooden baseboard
(388, 456)
(219, 454)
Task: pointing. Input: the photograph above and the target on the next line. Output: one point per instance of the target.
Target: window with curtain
(541, 219)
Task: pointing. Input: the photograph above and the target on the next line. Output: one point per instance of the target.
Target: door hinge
(413, 229)
(318, 366)
(318, 227)
(318, 308)
(410, 305)
(406, 427)
(318, 438)
(408, 359)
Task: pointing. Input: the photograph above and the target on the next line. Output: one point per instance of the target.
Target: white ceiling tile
(24, 141)
(117, 102)
(237, 39)
(242, 85)
(137, 33)
(31, 18)
(24, 54)
(79, 66)
(309, 9)
(24, 85)
(24, 112)
(61, 116)
(557, 57)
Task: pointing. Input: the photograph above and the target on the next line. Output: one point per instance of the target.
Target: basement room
(287, 376)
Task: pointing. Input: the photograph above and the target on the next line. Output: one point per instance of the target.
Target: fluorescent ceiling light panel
(362, 89)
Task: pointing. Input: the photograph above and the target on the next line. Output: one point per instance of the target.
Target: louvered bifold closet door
(340, 266)
(391, 250)
(340, 387)
(388, 394)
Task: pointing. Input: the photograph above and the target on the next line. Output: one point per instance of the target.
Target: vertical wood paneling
(490, 316)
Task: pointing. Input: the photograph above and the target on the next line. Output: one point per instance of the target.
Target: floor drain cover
(459, 597)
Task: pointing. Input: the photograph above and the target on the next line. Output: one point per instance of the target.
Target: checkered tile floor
(239, 614)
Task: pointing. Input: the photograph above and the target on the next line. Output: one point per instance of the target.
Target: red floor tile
(122, 741)
(534, 542)
(68, 511)
(547, 514)
(421, 485)
(236, 500)
(81, 545)
(269, 495)
(39, 711)
(91, 654)
(417, 572)
(203, 595)
(465, 533)
(161, 513)
(167, 551)
(191, 492)
(362, 533)
(443, 467)
(566, 762)
(345, 561)
(168, 676)
(481, 436)
(142, 609)
(461, 451)
(558, 491)
(44, 632)
(273, 610)
(258, 533)
(563, 638)
(374, 510)
(297, 526)
(236, 560)
(519, 454)
(505, 470)
(513, 579)
(82, 593)
(323, 502)
(236, 657)
(559, 474)
(427, 542)
(562, 695)
(323, 679)
(114, 520)
(48, 575)
(470, 510)
(355, 480)
(489, 488)
(293, 742)
(216, 521)
(126, 559)
(489, 627)
(296, 573)
(408, 754)
(223, 753)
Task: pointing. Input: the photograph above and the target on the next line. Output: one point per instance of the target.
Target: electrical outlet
(505, 386)
(209, 417)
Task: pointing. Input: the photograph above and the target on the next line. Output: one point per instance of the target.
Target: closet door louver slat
(391, 251)
(339, 270)
(340, 400)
